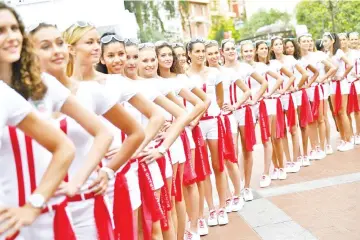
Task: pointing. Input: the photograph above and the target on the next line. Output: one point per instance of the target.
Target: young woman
(211, 127)
(353, 101)
(340, 88)
(20, 114)
(234, 201)
(354, 40)
(48, 96)
(143, 59)
(325, 87)
(180, 52)
(291, 48)
(170, 69)
(241, 108)
(54, 57)
(290, 102)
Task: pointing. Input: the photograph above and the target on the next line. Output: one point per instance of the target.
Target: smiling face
(344, 43)
(212, 55)
(304, 43)
(11, 38)
(87, 49)
(165, 57)
(114, 57)
(148, 63)
(247, 52)
(229, 52)
(327, 42)
(197, 54)
(132, 60)
(354, 40)
(289, 48)
(51, 49)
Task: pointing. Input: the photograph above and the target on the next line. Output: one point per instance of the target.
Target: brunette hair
(271, 52)
(102, 67)
(209, 44)
(336, 44)
(190, 47)
(296, 47)
(26, 74)
(175, 67)
(257, 45)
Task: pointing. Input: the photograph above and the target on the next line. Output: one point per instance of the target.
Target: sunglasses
(146, 45)
(80, 24)
(354, 34)
(108, 38)
(328, 34)
(197, 40)
(276, 37)
(246, 42)
(342, 34)
(131, 41)
(160, 43)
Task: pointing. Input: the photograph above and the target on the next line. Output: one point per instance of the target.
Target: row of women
(105, 138)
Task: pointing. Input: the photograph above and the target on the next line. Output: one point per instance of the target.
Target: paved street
(319, 202)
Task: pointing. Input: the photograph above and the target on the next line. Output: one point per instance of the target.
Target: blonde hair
(71, 36)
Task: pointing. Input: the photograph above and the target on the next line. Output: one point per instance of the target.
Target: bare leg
(248, 159)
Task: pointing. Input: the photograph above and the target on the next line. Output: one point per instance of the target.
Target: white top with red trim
(289, 63)
(260, 68)
(92, 96)
(339, 63)
(314, 60)
(213, 78)
(354, 58)
(11, 114)
(24, 161)
(227, 80)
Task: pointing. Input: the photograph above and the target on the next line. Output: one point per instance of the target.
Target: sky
(253, 6)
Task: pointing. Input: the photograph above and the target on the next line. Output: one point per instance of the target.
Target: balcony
(200, 1)
(199, 19)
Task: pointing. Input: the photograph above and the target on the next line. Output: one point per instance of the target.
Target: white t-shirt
(354, 58)
(338, 62)
(289, 63)
(227, 80)
(92, 96)
(241, 72)
(254, 86)
(11, 114)
(16, 149)
(314, 59)
(212, 78)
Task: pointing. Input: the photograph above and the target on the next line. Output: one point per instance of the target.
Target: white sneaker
(265, 181)
(295, 167)
(357, 140)
(212, 219)
(275, 174)
(228, 205)
(222, 217)
(288, 167)
(237, 203)
(202, 227)
(282, 174)
(329, 150)
(191, 236)
(320, 153)
(305, 161)
(313, 155)
(248, 196)
(298, 163)
(348, 146)
(342, 144)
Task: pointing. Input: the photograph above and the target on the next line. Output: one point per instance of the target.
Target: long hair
(297, 54)
(336, 44)
(175, 67)
(71, 36)
(102, 67)
(271, 52)
(257, 45)
(26, 74)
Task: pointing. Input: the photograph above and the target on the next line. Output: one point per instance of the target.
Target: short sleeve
(339, 54)
(120, 88)
(102, 102)
(17, 110)
(218, 78)
(56, 91)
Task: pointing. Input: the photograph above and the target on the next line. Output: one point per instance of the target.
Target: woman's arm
(330, 72)
(151, 112)
(348, 66)
(279, 81)
(120, 118)
(102, 140)
(63, 152)
(291, 77)
(261, 80)
(199, 106)
(219, 94)
(247, 93)
(315, 76)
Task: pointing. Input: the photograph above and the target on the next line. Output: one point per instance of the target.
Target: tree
(149, 16)
(221, 24)
(328, 15)
(263, 18)
(185, 15)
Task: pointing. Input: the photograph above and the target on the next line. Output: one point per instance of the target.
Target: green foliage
(219, 25)
(317, 15)
(148, 17)
(263, 18)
